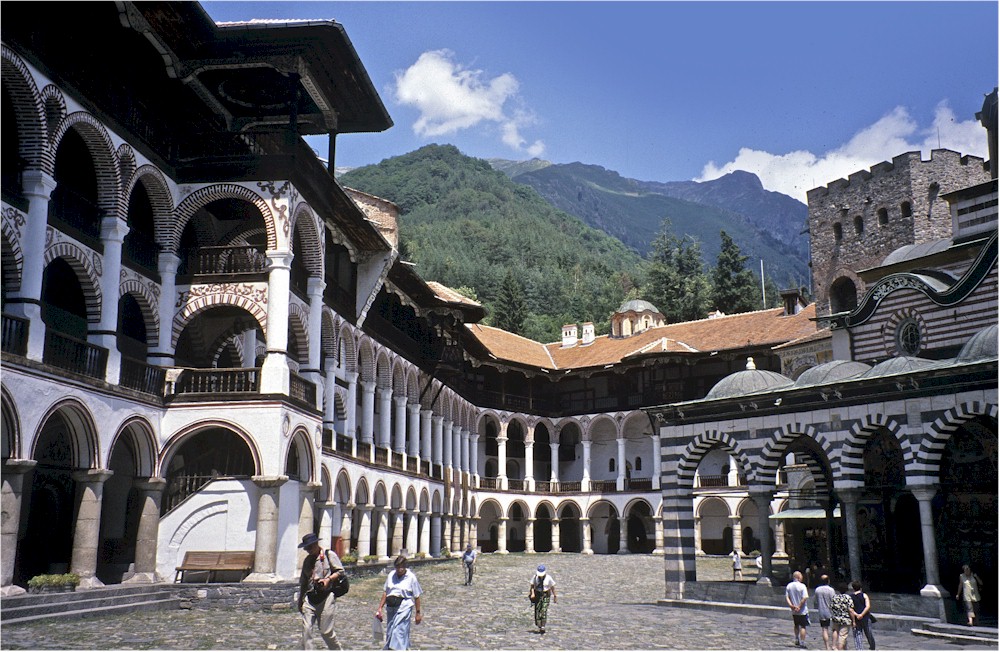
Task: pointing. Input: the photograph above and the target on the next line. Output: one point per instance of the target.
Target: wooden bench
(212, 562)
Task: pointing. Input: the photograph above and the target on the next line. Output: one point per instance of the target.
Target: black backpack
(340, 586)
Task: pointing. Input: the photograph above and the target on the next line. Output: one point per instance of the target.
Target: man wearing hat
(542, 588)
(316, 600)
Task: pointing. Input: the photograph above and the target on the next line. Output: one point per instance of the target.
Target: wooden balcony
(302, 389)
(15, 335)
(75, 355)
(604, 486)
(142, 377)
(218, 381)
(210, 261)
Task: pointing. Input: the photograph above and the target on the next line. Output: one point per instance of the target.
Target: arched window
(838, 232)
(883, 217)
(638, 464)
(905, 209)
(611, 465)
(843, 295)
(859, 225)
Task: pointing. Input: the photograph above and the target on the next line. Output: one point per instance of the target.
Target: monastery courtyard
(605, 603)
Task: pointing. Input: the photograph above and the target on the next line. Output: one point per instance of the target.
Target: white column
(425, 533)
(446, 442)
(466, 459)
(397, 532)
(554, 474)
(585, 530)
(381, 532)
(274, 375)
(623, 536)
(474, 457)
(436, 438)
(933, 587)
(425, 435)
(529, 536)
(37, 187)
(733, 477)
(330, 399)
(656, 462)
(529, 460)
(86, 533)
(585, 482)
(620, 480)
(266, 539)
(502, 457)
(435, 535)
(367, 412)
(163, 353)
(413, 427)
(113, 232)
(399, 442)
(352, 409)
(411, 533)
(502, 535)
(365, 531)
(314, 289)
(384, 434)
(12, 480)
(456, 447)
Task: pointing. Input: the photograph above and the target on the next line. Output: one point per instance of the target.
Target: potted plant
(58, 583)
(351, 557)
(370, 558)
(445, 552)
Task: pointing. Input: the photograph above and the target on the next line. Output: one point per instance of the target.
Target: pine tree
(676, 280)
(510, 306)
(734, 287)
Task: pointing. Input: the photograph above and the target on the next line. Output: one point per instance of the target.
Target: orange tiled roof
(821, 334)
(448, 295)
(760, 328)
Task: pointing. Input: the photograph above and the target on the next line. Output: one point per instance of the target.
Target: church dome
(981, 346)
(898, 365)
(637, 305)
(748, 381)
(914, 251)
(830, 372)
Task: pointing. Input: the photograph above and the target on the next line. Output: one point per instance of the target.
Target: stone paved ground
(605, 603)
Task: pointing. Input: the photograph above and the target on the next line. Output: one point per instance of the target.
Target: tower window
(905, 209)
(838, 232)
(883, 217)
(859, 225)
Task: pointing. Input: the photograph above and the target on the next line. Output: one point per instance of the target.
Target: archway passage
(570, 534)
(965, 509)
(640, 529)
(205, 456)
(47, 525)
(121, 508)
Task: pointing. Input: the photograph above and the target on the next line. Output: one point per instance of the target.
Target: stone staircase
(108, 600)
(959, 634)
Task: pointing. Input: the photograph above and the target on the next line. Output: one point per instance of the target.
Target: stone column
(735, 522)
(352, 410)
(307, 518)
(365, 531)
(446, 444)
(399, 436)
(37, 187)
(456, 533)
(585, 482)
(502, 535)
(425, 435)
(314, 290)
(150, 493)
(554, 474)
(397, 532)
(436, 535)
(436, 428)
(924, 496)
(656, 461)
(456, 447)
(275, 374)
(529, 460)
(266, 542)
(330, 400)
(466, 453)
(446, 532)
(623, 536)
(113, 232)
(762, 499)
(368, 414)
(474, 457)
(529, 536)
(326, 521)
(502, 457)
(413, 431)
(163, 353)
(849, 507)
(779, 539)
(697, 536)
(383, 437)
(87, 534)
(347, 524)
(658, 536)
(620, 480)
(556, 543)
(381, 532)
(587, 537)
(733, 477)
(425, 533)
(10, 505)
(411, 532)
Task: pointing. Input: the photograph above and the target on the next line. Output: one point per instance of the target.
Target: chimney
(792, 301)
(569, 335)
(715, 314)
(588, 333)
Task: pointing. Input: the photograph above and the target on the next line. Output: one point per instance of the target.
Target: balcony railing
(15, 335)
(76, 211)
(74, 355)
(570, 486)
(425, 467)
(382, 456)
(343, 444)
(719, 481)
(639, 484)
(206, 261)
(604, 486)
(302, 389)
(142, 377)
(515, 484)
(488, 483)
(397, 462)
(412, 465)
(218, 381)
(543, 485)
(141, 250)
(364, 450)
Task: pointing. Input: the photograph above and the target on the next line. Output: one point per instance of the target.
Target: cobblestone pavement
(605, 603)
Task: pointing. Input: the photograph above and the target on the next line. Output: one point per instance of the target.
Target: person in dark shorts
(797, 595)
(824, 597)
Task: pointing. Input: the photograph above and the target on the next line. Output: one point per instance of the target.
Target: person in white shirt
(400, 597)
(797, 595)
(542, 587)
(737, 564)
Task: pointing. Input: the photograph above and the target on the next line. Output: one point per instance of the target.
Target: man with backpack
(542, 588)
(321, 571)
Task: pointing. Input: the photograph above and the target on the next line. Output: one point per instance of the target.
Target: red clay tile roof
(760, 328)
(821, 334)
(448, 295)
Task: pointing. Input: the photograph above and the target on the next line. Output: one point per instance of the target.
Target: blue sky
(800, 93)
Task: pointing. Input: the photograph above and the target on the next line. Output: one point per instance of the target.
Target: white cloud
(451, 98)
(797, 172)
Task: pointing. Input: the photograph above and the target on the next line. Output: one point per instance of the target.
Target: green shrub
(350, 558)
(64, 579)
(420, 555)
(445, 552)
(370, 558)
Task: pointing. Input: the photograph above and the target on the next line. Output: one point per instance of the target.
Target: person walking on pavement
(317, 603)
(969, 585)
(469, 562)
(400, 597)
(797, 595)
(737, 564)
(542, 587)
(824, 597)
(861, 612)
(840, 610)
